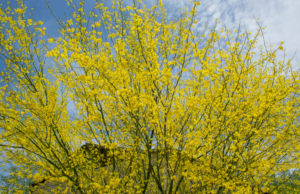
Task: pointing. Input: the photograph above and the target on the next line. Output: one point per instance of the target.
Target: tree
(206, 112)
(13, 182)
(287, 182)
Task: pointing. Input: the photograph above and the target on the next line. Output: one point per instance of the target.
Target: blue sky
(279, 17)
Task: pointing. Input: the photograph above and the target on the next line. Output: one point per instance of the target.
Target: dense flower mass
(170, 109)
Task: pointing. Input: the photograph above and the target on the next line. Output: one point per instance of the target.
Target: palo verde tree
(193, 111)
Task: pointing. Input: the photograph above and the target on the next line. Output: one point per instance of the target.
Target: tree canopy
(173, 108)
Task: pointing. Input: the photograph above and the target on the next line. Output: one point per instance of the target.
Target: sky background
(279, 17)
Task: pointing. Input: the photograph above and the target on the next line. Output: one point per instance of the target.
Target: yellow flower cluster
(175, 111)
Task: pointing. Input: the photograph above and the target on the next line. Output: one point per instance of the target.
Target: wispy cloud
(279, 17)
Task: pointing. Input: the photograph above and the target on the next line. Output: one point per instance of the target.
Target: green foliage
(12, 182)
(288, 182)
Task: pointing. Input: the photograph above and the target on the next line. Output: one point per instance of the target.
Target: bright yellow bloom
(145, 104)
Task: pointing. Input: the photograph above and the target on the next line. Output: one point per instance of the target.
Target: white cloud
(279, 17)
